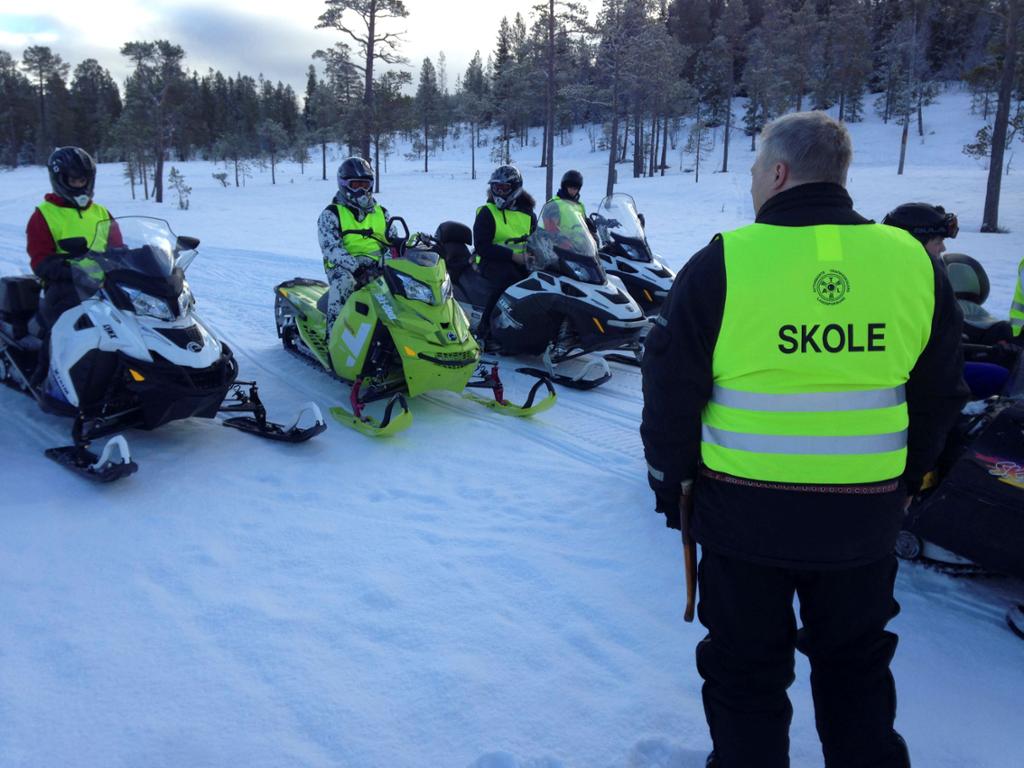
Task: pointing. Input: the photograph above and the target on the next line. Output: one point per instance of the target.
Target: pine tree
(428, 97)
(46, 68)
(374, 44)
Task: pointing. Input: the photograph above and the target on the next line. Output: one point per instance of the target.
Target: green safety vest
(1017, 307)
(352, 238)
(508, 225)
(577, 204)
(821, 328)
(76, 222)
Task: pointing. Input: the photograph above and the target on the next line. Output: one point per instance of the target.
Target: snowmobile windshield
(421, 257)
(561, 234)
(618, 222)
(135, 244)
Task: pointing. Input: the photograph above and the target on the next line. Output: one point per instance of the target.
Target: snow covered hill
(479, 591)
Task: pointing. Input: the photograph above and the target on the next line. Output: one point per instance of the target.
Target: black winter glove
(365, 273)
(666, 502)
(54, 269)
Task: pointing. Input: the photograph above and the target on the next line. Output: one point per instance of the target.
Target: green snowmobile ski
(401, 334)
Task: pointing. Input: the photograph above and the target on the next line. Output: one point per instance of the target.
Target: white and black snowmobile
(565, 308)
(132, 354)
(626, 254)
(970, 517)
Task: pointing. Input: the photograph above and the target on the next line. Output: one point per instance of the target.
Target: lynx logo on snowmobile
(193, 346)
(831, 286)
(110, 331)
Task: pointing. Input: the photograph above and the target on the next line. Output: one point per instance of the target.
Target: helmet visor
(500, 188)
(359, 184)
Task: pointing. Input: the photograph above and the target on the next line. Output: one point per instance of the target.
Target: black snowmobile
(970, 516)
(132, 354)
(626, 254)
(565, 309)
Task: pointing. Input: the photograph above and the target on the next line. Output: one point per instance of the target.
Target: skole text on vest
(832, 338)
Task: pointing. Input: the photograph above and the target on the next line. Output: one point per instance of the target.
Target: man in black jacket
(795, 407)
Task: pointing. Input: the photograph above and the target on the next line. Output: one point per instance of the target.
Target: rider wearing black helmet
(930, 224)
(352, 233)
(500, 231)
(67, 212)
(569, 190)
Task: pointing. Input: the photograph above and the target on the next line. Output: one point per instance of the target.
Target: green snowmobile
(401, 334)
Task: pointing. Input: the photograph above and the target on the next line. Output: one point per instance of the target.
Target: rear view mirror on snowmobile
(186, 243)
(398, 231)
(186, 251)
(76, 246)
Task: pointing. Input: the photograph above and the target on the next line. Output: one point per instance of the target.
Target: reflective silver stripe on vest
(1017, 307)
(1016, 322)
(809, 402)
(814, 445)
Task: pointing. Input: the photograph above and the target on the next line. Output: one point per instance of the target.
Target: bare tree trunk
(426, 146)
(990, 218)
(613, 144)
(131, 174)
(638, 146)
(145, 179)
(625, 140)
(903, 143)
(920, 114)
(472, 150)
(655, 135)
(549, 121)
(664, 146)
(323, 160)
(842, 105)
(273, 164)
(371, 29)
(728, 131)
(376, 163)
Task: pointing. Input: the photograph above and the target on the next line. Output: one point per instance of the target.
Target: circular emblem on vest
(831, 286)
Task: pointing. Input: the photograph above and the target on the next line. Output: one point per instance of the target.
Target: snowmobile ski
(113, 463)
(240, 400)
(582, 380)
(390, 424)
(489, 379)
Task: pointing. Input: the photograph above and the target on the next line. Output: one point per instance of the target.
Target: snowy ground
(480, 591)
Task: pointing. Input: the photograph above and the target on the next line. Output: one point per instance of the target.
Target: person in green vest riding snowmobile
(69, 211)
(352, 232)
(500, 231)
(569, 191)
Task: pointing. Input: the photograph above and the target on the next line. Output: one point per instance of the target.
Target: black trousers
(747, 661)
(500, 274)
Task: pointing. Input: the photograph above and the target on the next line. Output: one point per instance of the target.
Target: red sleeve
(114, 239)
(40, 243)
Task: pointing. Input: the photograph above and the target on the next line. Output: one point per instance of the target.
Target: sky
(275, 39)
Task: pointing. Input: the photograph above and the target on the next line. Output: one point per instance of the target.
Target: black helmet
(923, 221)
(572, 178)
(72, 162)
(505, 185)
(360, 194)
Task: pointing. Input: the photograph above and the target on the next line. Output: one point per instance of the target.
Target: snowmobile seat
(971, 286)
(19, 303)
(19, 296)
(455, 239)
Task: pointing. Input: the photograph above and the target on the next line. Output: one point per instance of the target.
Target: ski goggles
(952, 225)
(359, 184)
(500, 188)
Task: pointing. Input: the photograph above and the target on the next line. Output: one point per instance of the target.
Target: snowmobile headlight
(414, 289)
(146, 304)
(578, 270)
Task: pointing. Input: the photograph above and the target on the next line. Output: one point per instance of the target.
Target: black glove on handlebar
(54, 269)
